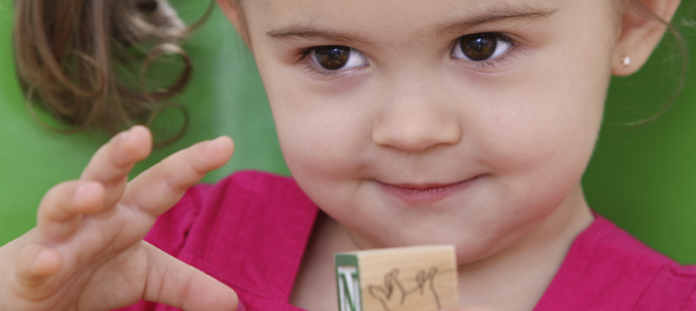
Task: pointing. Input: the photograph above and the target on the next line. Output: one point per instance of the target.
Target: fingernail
(80, 189)
(125, 134)
(211, 145)
(217, 141)
(119, 137)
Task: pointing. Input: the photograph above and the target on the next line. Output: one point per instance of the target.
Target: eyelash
(302, 56)
(491, 65)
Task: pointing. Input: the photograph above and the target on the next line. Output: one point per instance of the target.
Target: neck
(315, 285)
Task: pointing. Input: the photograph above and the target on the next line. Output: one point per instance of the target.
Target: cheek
(316, 143)
(549, 116)
(321, 133)
(321, 136)
(555, 130)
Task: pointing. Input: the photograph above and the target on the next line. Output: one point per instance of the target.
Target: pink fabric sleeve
(691, 303)
(248, 231)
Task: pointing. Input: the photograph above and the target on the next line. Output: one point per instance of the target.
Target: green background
(643, 178)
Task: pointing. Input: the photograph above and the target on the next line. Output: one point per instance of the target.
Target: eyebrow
(494, 14)
(497, 14)
(305, 31)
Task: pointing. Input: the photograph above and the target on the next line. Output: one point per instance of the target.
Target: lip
(425, 193)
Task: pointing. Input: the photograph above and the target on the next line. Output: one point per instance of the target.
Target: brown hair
(75, 59)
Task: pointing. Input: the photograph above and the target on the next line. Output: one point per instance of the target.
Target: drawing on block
(415, 278)
(393, 289)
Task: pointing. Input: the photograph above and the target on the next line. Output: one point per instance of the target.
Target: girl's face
(467, 122)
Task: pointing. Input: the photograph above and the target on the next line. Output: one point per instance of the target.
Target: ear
(234, 13)
(642, 28)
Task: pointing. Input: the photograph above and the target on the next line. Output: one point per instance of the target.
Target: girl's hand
(87, 253)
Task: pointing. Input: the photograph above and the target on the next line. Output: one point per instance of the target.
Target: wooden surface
(422, 278)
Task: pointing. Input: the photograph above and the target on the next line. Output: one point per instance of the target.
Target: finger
(61, 208)
(35, 264)
(113, 161)
(174, 283)
(157, 189)
(111, 164)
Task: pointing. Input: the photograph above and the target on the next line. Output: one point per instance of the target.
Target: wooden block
(420, 278)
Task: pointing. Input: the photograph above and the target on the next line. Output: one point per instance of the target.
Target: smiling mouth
(419, 194)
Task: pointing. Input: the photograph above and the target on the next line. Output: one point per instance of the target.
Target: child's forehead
(392, 19)
(426, 17)
(280, 10)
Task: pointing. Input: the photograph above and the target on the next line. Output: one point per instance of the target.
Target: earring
(625, 61)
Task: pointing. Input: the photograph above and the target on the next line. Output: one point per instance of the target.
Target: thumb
(179, 285)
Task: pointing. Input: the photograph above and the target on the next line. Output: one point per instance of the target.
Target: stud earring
(625, 61)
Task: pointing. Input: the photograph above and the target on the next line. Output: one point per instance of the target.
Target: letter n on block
(348, 286)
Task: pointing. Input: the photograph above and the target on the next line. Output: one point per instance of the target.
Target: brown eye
(481, 46)
(337, 57)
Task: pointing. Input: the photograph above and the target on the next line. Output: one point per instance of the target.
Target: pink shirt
(250, 231)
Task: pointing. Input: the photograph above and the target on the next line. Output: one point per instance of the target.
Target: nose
(413, 122)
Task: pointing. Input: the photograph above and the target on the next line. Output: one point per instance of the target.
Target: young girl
(460, 122)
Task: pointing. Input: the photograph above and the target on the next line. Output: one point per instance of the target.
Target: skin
(80, 258)
(415, 117)
(519, 130)
(366, 144)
